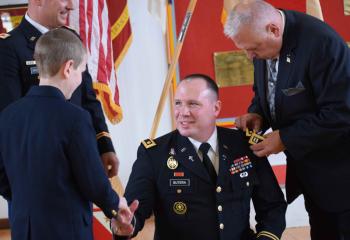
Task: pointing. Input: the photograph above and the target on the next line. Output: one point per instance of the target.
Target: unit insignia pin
(172, 163)
(180, 208)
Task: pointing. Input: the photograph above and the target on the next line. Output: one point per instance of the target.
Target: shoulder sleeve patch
(4, 35)
(148, 143)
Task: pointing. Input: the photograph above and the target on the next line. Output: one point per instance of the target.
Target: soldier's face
(55, 12)
(196, 109)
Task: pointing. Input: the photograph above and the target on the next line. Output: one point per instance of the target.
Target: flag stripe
(119, 25)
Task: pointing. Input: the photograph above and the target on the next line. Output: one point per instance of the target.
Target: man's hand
(122, 226)
(110, 163)
(250, 120)
(272, 144)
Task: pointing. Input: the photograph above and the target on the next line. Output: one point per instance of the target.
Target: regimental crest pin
(172, 163)
(180, 208)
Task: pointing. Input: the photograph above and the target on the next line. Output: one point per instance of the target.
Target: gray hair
(250, 14)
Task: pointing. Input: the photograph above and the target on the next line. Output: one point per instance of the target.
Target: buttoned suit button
(220, 208)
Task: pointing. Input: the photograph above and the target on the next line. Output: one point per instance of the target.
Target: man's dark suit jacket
(213, 211)
(50, 168)
(312, 110)
(18, 72)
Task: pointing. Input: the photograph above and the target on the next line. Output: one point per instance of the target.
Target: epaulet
(148, 143)
(4, 35)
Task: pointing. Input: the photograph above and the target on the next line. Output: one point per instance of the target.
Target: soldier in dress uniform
(19, 71)
(199, 180)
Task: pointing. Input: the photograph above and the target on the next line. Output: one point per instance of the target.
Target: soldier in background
(19, 71)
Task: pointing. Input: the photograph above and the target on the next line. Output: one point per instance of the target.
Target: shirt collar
(283, 18)
(213, 141)
(37, 25)
(283, 24)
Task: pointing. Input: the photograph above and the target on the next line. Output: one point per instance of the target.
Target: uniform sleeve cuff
(104, 143)
(266, 235)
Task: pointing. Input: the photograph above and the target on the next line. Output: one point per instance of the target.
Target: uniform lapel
(30, 32)
(286, 64)
(260, 78)
(188, 157)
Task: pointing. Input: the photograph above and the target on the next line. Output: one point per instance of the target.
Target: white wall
(140, 80)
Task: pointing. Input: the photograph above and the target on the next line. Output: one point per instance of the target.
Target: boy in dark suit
(49, 163)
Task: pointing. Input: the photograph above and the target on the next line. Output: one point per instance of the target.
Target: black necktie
(204, 148)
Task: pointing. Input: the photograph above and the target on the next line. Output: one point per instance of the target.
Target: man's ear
(217, 107)
(67, 68)
(272, 28)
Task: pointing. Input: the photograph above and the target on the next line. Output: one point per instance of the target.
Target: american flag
(104, 27)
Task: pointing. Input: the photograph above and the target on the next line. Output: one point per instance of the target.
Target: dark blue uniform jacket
(188, 206)
(50, 168)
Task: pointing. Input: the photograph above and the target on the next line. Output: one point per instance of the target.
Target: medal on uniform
(180, 208)
(172, 163)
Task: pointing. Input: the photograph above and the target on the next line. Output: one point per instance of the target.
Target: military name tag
(180, 182)
(30, 62)
(172, 163)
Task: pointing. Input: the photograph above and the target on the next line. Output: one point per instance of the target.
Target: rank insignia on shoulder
(255, 138)
(148, 143)
(248, 132)
(4, 35)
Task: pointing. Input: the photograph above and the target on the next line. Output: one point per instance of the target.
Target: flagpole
(313, 8)
(172, 67)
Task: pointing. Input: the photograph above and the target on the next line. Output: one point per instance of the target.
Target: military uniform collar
(37, 25)
(30, 33)
(213, 141)
(46, 91)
